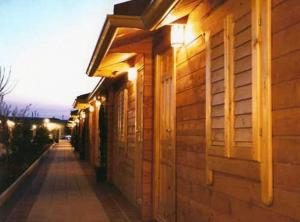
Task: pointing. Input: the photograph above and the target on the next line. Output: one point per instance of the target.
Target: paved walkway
(63, 189)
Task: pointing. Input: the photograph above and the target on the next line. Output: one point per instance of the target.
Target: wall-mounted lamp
(98, 104)
(82, 115)
(102, 99)
(177, 35)
(91, 109)
(132, 73)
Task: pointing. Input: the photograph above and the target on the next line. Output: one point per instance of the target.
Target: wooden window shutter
(122, 103)
(219, 89)
(238, 96)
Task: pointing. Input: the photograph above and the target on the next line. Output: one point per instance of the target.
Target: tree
(5, 109)
(6, 85)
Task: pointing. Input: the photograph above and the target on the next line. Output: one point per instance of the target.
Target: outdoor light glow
(53, 126)
(34, 127)
(91, 109)
(83, 115)
(10, 124)
(46, 121)
(102, 99)
(189, 34)
(177, 35)
(132, 74)
(98, 104)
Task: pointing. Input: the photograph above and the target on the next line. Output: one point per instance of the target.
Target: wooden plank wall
(234, 198)
(286, 106)
(148, 115)
(94, 135)
(121, 163)
(110, 134)
(192, 192)
(123, 155)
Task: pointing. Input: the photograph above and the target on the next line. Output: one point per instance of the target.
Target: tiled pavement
(64, 189)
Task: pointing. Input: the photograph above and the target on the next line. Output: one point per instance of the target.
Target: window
(122, 103)
(238, 107)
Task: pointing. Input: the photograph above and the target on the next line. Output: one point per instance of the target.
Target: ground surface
(64, 189)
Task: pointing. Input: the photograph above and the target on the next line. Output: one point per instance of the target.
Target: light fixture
(98, 104)
(10, 124)
(132, 73)
(91, 109)
(102, 99)
(82, 115)
(177, 35)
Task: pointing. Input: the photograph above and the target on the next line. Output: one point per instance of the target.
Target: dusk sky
(48, 45)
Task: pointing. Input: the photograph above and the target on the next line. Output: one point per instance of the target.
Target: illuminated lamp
(98, 104)
(91, 109)
(132, 74)
(177, 35)
(83, 115)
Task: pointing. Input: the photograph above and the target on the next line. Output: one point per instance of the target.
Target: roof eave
(95, 90)
(112, 23)
(152, 17)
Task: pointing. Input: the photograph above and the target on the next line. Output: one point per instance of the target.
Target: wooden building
(201, 113)
(81, 120)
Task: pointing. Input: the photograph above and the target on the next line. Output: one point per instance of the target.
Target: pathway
(63, 189)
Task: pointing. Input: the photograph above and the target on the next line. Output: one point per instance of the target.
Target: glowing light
(102, 99)
(132, 74)
(177, 35)
(33, 127)
(46, 121)
(53, 126)
(82, 115)
(76, 120)
(91, 109)
(10, 124)
(98, 104)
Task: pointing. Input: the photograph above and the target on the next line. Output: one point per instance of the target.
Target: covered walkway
(64, 189)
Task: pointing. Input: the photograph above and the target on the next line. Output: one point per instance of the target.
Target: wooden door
(165, 145)
(120, 135)
(139, 136)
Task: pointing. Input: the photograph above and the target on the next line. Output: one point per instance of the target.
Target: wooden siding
(236, 197)
(122, 164)
(94, 136)
(234, 194)
(148, 115)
